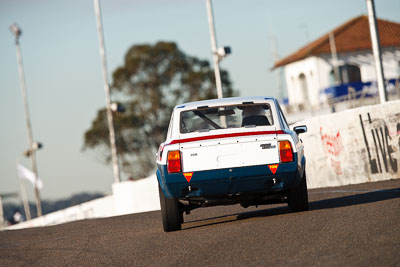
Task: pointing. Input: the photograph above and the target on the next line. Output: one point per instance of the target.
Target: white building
(310, 70)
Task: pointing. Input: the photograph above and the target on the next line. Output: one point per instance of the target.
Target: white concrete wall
(338, 153)
(137, 196)
(128, 197)
(98, 208)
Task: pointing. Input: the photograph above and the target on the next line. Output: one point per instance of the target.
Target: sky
(63, 73)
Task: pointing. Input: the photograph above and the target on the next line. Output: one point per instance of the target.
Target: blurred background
(64, 78)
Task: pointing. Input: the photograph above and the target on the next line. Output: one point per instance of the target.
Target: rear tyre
(298, 196)
(172, 217)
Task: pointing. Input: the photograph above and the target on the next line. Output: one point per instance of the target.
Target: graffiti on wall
(382, 143)
(332, 144)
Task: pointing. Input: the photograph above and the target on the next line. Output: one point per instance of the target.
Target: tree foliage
(153, 79)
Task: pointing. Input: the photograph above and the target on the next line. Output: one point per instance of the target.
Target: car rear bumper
(230, 181)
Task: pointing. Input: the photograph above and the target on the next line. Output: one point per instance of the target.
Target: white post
(334, 57)
(114, 154)
(24, 199)
(17, 32)
(214, 49)
(373, 27)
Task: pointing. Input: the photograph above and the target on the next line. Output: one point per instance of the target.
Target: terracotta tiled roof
(351, 36)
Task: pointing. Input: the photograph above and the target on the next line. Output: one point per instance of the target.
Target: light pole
(305, 27)
(110, 120)
(17, 32)
(376, 48)
(218, 54)
(278, 70)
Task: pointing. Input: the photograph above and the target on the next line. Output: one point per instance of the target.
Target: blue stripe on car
(229, 181)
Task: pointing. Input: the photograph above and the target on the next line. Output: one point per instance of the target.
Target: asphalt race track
(345, 226)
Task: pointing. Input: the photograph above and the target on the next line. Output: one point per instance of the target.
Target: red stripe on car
(218, 136)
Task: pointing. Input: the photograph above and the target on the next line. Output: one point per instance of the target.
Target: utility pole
(24, 196)
(376, 48)
(17, 32)
(24, 200)
(306, 34)
(214, 48)
(278, 70)
(110, 120)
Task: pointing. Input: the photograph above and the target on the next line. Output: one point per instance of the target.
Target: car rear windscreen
(205, 119)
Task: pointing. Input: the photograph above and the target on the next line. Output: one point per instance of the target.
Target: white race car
(229, 151)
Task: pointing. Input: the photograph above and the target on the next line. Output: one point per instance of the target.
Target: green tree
(153, 79)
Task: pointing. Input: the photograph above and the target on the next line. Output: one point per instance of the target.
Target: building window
(347, 74)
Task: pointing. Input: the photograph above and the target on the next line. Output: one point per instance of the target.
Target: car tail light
(285, 151)
(174, 161)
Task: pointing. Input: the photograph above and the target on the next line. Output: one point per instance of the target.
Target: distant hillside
(50, 206)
